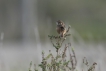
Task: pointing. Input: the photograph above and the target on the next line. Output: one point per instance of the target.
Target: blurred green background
(26, 24)
(19, 18)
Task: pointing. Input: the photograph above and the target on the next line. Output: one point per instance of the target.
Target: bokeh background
(26, 24)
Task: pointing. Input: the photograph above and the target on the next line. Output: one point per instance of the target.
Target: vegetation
(60, 61)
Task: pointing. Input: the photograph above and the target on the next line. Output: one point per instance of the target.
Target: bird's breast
(58, 30)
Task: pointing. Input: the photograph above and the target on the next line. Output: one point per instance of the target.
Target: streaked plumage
(61, 28)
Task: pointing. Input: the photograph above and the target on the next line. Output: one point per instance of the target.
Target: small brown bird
(61, 30)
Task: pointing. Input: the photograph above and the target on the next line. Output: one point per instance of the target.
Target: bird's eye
(61, 23)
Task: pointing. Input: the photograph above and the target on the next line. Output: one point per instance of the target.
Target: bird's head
(60, 23)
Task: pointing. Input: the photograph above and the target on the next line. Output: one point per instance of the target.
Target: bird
(61, 30)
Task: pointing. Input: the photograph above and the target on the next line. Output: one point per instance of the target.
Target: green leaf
(72, 48)
(48, 57)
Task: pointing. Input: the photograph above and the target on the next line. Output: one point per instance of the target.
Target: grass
(60, 62)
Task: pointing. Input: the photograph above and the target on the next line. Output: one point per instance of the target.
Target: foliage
(60, 62)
